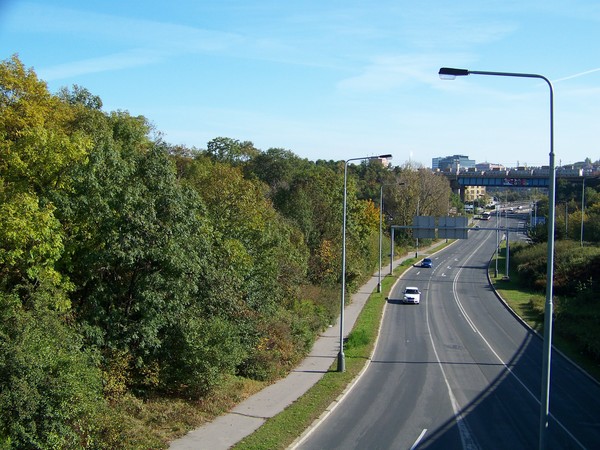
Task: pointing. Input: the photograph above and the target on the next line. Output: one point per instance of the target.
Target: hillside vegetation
(145, 286)
(576, 291)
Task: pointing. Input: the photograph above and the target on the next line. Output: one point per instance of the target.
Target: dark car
(427, 263)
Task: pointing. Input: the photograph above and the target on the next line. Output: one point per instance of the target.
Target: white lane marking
(459, 304)
(466, 439)
(476, 330)
(303, 437)
(455, 292)
(419, 439)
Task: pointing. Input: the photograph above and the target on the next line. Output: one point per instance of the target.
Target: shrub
(207, 349)
(573, 266)
(50, 389)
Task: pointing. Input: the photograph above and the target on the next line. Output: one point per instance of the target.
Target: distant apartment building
(453, 162)
(473, 193)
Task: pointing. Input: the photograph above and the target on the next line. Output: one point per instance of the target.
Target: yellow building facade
(473, 193)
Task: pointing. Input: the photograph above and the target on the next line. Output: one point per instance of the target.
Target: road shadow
(506, 415)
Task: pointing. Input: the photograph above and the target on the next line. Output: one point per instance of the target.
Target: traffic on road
(459, 371)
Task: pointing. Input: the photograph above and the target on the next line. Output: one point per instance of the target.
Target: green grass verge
(280, 431)
(514, 295)
(528, 305)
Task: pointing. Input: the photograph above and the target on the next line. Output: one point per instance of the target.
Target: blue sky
(331, 79)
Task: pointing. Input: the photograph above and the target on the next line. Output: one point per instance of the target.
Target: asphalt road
(459, 371)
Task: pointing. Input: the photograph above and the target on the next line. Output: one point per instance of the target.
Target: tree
(420, 192)
(260, 259)
(137, 245)
(248, 231)
(31, 243)
(50, 385)
(314, 203)
(36, 146)
(277, 168)
(37, 149)
(230, 150)
(79, 95)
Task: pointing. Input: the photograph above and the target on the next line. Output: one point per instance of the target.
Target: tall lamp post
(582, 209)
(380, 227)
(497, 240)
(451, 73)
(341, 366)
(566, 220)
(418, 212)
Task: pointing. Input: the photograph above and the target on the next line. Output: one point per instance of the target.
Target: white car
(412, 295)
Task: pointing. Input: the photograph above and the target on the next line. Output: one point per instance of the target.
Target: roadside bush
(578, 319)
(575, 289)
(50, 388)
(273, 352)
(574, 266)
(307, 319)
(207, 349)
(326, 299)
(537, 305)
(530, 261)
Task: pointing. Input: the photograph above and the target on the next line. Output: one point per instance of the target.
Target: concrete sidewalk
(227, 430)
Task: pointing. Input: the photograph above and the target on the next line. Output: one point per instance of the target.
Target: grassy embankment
(280, 431)
(529, 305)
(156, 422)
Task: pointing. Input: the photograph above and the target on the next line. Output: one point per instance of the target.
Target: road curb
(339, 399)
(535, 332)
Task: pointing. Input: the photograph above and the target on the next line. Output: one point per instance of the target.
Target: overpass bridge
(513, 178)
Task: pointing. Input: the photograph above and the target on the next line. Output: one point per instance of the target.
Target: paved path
(227, 430)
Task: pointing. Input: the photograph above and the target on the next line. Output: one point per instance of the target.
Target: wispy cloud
(116, 61)
(37, 17)
(577, 75)
(383, 73)
(138, 42)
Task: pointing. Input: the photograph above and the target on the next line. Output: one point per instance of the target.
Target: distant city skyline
(330, 80)
(464, 162)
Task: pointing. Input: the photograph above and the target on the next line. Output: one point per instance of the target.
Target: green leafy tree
(259, 256)
(278, 168)
(314, 203)
(199, 350)
(37, 149)
(50, 386)
(230, 150)
(79, 95)
(137, 246)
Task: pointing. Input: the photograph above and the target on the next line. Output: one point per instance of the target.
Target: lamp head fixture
(449, 73)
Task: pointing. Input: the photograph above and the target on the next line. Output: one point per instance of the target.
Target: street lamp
(447, 73)
(566, 220)
(381, 225)
(497, 239)
(418, 207)
(341, 366)
(582, 210)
